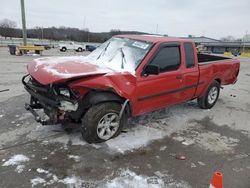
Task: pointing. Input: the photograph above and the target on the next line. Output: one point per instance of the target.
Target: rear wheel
(101, 122)
(210, 97)
(79, 50)
(64, 49)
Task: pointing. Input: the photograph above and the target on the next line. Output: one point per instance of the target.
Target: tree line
(8, 28)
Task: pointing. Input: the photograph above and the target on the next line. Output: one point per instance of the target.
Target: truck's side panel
(225, 72)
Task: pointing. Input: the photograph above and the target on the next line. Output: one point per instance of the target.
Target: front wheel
(63, 49)
(79, 50)
(210, 97)
(101, 122)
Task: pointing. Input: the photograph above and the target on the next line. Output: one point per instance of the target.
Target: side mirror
(151, 70)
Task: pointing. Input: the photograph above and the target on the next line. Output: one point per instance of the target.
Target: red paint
(180, 157)
(65, 70)
(135, 87)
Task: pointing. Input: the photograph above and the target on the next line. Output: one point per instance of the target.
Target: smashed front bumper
(45, 97)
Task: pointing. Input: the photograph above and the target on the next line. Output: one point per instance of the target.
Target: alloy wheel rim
(108, 126)
(212, 95)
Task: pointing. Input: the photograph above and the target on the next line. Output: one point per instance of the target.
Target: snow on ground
(19, 168)
(50, 179)
(130, 179)
(123, 178)
(71, 181)
(42, 171)
(75, 157)
(134, 139)
(16, 160)
(143, 130)
(37, 181)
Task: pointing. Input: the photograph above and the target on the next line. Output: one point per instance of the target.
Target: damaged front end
(58, 101)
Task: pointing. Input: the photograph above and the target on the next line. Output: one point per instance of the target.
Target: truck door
(190, 72)
(71, 46)
(157, 91)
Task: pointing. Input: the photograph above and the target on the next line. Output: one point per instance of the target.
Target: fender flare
(95, 97)
(218, 79)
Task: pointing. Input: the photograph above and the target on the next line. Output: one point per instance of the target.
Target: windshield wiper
(104, 50)
(123, 58)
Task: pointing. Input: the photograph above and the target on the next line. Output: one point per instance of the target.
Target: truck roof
(154, 38)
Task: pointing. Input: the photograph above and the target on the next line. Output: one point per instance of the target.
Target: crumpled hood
(56, 69)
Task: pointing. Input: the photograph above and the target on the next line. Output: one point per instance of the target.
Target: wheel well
(218, 80)
(94, 97)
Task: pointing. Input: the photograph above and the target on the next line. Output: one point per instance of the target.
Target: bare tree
(228, 39)
(246, 38)
(7, 28)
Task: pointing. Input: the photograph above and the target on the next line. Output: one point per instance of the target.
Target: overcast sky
(212, 18)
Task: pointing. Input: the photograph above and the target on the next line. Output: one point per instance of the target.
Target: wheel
(79, 49)
(210, 97)
(101, 122)
(64, 49)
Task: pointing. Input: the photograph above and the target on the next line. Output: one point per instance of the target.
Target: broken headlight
(64, 92)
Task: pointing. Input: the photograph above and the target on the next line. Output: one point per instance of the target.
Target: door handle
(179, 77)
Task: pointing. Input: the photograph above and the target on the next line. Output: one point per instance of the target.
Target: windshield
(121, 54)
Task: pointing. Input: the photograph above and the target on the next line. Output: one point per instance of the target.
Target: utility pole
(24, 23)
(156, 30)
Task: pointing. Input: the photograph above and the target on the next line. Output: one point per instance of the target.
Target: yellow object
(40, 48)
(228, 54)
(245, 54)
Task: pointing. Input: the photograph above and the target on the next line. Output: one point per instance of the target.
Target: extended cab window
(168, 58)
(189, 54)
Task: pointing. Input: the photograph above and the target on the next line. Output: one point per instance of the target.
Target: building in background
(218, 46)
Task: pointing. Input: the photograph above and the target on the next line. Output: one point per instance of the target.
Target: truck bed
(224, 70)
(204, 58)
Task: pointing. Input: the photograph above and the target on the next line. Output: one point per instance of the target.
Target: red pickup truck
(127, 75)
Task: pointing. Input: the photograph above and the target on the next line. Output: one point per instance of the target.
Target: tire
(211, 96)
(64, 49)
(93, 120)
(79, 49)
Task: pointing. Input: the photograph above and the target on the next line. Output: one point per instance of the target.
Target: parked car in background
(90, 48)
(72, 46)
(127, 75)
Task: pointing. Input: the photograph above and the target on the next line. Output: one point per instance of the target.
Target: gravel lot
(32, 155)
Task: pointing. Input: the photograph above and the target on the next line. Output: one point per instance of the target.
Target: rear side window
(168, 59)
(189, 55)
